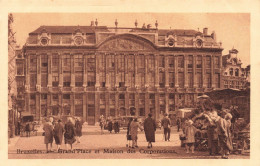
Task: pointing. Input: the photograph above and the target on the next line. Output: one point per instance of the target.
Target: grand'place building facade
(88, 71)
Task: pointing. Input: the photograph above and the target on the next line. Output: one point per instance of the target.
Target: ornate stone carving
(125, 44)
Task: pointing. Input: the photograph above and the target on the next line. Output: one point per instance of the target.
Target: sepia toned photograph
(128, 85)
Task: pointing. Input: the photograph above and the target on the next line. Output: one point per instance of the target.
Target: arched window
(231, 71)
(237, 72)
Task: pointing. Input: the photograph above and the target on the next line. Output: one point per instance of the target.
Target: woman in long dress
(58, 133)
(78, 126)
(149, 129)
(48, 130)
(70, 133)
(128, 135)
(134, 131)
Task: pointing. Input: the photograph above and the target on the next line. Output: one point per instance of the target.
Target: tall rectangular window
(111, 60)
(199, 80)
(131, 62)
(171, 61)
(199, 61)
(78, 60)
(180, 61)
(161, 61)
(33, 80)
(112, 78)
(162, 79)
(102, 61)
(102, 79)
(121, 61)
(190, 80)
(151, 79)
(208, 62)
(91, 79)
(33, 63)
(44, 60)
(217, 80)
(141, 79)
(216, 62)
(55, 79)
(190, 61)
(19, 69)
(79, 79)
(66, 60)
(181, 79)
(121, 79)
(208, 80)
(151, 63)
(55, 62)
(44, 80)
(131, 79)
(140, 61)
(91, 64)
(66, 80)
(171, 79)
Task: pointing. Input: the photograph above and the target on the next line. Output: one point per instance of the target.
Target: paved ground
(107, 146)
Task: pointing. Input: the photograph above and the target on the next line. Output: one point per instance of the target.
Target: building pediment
(126, 43)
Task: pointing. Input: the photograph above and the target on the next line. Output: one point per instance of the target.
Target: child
(190, 131)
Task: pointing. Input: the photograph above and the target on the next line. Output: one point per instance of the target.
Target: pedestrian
(149, 129)
(78, 127)
(134, 131)
(110, 125)
(48, 133)
(222, 136)
(166, 127)
(70, 133)
(116, 126)
(190, 132)
(212, 133)
(58, 133)
(102, 123)
(27, 129)
(19, 127)
(228, 118)
(128, 135)
(178, 124)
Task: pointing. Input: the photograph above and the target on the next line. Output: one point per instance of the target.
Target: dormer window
(78, 41)
(199, 43)
(44, 41)
(231, 71)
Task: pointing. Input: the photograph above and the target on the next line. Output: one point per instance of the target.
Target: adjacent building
(88, 71)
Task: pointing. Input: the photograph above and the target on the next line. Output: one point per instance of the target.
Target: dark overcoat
(48, 130)
(110, 126)
(58, 133)
(78, 126)
(70, 133)
(149, 129)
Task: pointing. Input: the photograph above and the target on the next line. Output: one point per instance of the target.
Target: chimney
(213, 35)
(205, 31)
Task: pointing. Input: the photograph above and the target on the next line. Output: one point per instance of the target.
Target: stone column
(97, 57)
(48, 103)
(136, 73)
(146, 71)
(203, 72)
(72, 69)
(176, 71)
(157, 106)
(60, 71)
(107, 104)
(126, 71)
(97, 108)
(72, 104)
(49, 70)
(166, 62)
(156, 58)
(220, 67)
(136, 104)
(167, 103)
(194, 72)
(116, 103)
(147, 104)
(27, 78)
(38, 70)
(37, 103)
(127, 104)
(107, 73)
(213, 83)
(185, 71)
(84, 106)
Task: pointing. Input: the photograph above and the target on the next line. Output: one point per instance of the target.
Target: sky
(232, 29)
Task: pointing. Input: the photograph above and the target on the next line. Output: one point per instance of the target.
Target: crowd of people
(71, 131)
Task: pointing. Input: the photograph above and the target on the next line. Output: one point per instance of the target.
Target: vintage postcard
(127, 85)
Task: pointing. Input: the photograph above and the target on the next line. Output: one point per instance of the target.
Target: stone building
(88, 71)
(234, 76)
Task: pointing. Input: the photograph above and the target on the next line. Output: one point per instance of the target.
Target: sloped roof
(188, 32)
(70, 29)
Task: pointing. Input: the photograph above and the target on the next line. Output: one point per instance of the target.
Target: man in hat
(166, 127)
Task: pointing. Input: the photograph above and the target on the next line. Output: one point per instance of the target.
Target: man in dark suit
(166, 126)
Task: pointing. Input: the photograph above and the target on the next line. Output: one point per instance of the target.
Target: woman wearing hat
(70, 133)
(190, 131)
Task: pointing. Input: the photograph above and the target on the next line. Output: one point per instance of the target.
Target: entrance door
(91, 114)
